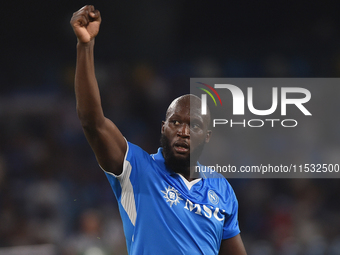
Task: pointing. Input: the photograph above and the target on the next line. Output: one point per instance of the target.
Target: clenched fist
(85, 23)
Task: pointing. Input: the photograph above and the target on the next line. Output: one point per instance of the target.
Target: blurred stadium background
(54, 199)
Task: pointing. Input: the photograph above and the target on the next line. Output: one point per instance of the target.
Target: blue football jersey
(163, 213)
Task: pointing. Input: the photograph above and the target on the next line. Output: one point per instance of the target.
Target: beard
(179, 165)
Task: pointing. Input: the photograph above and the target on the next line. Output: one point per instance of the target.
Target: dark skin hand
(106, 140)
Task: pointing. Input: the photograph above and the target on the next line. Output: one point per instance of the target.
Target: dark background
(51, 188)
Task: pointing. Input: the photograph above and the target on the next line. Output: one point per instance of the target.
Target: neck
(185, 167)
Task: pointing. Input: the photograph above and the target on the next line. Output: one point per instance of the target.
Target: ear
(208, 136)
(162, 129)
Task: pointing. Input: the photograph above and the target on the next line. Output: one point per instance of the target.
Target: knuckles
(84, 16)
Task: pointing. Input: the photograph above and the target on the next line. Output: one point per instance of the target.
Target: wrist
(89, 44)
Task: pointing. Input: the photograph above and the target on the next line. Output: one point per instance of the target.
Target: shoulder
(135, 152)
(140, 159)
(136, 159)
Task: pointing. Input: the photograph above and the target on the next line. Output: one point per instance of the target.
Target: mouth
(181, 147)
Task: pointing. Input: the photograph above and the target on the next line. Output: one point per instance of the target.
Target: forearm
(89, 107)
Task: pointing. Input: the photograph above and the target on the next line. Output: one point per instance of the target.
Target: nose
(183, 130)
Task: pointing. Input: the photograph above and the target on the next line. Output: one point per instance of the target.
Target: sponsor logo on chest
(173, 197)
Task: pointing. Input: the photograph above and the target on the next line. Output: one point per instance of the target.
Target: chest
(169, 198)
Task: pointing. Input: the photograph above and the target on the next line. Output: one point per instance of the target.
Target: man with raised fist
(164, 209)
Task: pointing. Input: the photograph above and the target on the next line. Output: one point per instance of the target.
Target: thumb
(95, 15)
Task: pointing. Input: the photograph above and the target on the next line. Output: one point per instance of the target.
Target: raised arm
(102, 134)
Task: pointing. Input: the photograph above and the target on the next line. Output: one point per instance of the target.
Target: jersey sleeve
(231, 227)
(135, 161)
(126, 185)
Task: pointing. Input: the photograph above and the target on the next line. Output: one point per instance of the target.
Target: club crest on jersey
(213, 198)
(171, 195)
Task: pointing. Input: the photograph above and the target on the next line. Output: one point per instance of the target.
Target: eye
(195, 125)
(175, 122)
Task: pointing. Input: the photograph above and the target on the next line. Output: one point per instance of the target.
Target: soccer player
(164, 210)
